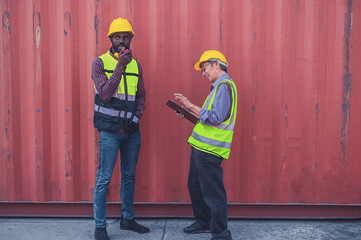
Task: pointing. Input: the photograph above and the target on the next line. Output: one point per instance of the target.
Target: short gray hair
(224, 66)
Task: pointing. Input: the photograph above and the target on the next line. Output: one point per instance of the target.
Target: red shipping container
(296, 63)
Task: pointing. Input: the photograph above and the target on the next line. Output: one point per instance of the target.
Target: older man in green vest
(211, 143)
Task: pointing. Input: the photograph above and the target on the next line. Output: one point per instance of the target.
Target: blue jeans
(110, 144)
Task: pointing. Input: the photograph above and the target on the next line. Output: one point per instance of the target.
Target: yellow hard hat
(210, 54)
(120, 25)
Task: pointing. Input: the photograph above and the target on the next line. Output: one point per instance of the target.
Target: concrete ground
(171, 229)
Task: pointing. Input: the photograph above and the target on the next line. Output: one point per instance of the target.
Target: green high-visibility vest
(131, 73)
(216, 140)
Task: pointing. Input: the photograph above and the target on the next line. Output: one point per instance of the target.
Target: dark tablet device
(181, 110)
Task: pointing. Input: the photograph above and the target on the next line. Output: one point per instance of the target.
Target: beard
(118, 47)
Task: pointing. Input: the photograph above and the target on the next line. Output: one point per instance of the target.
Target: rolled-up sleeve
(105, 87)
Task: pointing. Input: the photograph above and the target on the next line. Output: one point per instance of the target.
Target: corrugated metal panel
(296, 65)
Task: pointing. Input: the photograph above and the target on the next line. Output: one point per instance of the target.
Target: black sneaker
(197, 227)
(101, 234)
(225, 235)
(132, 225)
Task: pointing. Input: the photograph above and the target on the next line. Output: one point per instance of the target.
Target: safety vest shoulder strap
(212, 93)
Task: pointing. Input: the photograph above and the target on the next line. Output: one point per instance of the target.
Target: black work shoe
(197, 227)
(225, 235)
(132, 225)
(101, 234)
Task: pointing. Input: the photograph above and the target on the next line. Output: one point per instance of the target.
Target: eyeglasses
(205, 66)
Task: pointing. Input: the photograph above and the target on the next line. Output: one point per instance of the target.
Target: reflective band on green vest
(210, 141)
(111, 112)
(216, 140)
(226, 127)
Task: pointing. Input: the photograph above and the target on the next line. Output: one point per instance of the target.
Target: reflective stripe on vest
(211, 141)
(111, 112)
(216, 140)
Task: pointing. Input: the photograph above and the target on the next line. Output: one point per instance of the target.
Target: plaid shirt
(107, 87)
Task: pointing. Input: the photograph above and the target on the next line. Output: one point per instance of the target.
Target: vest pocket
(132, 124)
(107, 123)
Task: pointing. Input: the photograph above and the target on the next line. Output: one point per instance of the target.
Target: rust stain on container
(347, 85)
(296, 64)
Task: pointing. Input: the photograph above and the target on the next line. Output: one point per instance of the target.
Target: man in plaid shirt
(119, 105)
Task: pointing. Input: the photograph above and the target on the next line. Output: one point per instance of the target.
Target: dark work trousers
(207, 192)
